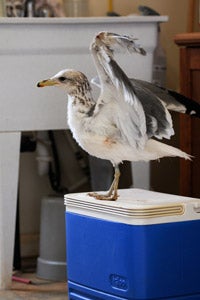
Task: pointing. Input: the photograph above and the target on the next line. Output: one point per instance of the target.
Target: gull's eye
(62, 78)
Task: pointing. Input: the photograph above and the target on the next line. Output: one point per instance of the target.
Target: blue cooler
(145, 245)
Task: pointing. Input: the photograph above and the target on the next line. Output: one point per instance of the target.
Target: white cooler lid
(136, 207)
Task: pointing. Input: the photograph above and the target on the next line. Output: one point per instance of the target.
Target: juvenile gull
(128, 116)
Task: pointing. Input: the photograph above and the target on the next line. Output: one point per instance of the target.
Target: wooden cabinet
(189, 44)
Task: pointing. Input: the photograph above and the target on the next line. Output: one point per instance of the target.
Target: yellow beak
(47, 82)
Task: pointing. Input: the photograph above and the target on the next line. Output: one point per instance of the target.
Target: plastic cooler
(145, 245)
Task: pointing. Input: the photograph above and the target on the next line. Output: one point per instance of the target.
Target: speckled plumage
(128, 114)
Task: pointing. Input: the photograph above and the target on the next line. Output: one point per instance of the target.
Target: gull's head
(72, 81)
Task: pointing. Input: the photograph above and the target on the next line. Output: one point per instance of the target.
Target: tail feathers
(163, 150)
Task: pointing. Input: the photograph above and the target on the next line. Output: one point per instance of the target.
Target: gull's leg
(116, 182)
(112, 193)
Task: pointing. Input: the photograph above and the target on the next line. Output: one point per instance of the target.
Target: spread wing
(128, 114)
(137, 121)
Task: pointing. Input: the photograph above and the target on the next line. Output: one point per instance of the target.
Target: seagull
(130, 116)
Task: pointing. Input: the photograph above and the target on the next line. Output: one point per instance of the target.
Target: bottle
(2, 9)
(159, 56)
(29, 8)
(76, 8)
(159, 64)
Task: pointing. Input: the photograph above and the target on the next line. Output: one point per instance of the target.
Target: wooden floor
(36, 290)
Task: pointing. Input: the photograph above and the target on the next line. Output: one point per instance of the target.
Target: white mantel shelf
(85, 20)
(33, 49)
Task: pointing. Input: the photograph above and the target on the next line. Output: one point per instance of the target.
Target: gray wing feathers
(161, 93)
(158, 119)
(131, 119)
